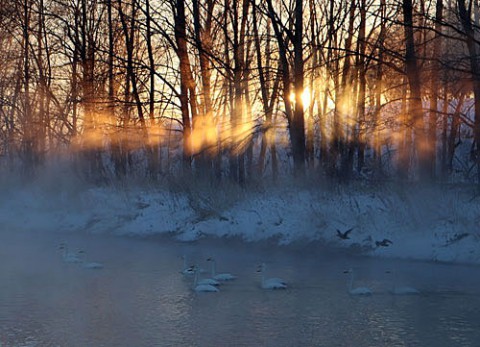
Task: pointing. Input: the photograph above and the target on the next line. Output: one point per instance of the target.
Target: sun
(306, 97)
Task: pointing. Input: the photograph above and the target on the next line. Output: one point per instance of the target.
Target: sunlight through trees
(241, 90)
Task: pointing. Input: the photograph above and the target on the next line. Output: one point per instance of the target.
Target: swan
(270, 283)
(206, 281)
(402, 290)
(187, 270)
(93, 265)
(221, 276)
(199, 287)
(69, 257)
(358, 290)
(90, 265)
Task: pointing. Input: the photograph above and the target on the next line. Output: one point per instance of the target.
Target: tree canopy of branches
(241, 90)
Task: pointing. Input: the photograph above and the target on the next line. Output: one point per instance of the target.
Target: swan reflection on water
(357, 290)
(205, 285)
(143, 290)
(401, 290)
(220, 276)
(270, 283)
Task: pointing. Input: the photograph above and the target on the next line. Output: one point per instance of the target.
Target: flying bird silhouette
(344, 235)
(383, 243)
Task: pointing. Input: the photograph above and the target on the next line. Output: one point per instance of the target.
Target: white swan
(187, 270)
(402, 290)
(199, 287)
(91, 265)
(69, 257)
(221, 276)
(206, 281)
(270, 283)
(358, 290)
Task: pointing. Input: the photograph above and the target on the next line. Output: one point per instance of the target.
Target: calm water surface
(140, 298)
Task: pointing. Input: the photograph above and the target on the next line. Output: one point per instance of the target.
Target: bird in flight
(383, 243)
(344, 235)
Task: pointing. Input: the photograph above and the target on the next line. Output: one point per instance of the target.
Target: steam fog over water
(139, 298)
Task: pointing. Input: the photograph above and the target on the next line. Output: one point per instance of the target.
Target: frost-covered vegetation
(437, 222)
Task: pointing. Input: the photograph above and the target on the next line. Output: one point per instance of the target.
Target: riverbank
(430, 224)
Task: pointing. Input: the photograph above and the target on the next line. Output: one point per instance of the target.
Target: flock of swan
(211, 284)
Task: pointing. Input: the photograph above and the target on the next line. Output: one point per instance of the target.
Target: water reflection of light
(141, 299)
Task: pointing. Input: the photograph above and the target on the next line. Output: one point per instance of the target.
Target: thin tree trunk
(153, 151)
(443, 157)
(433, 116)
(28, 137)
(362, 80)
(454, 131)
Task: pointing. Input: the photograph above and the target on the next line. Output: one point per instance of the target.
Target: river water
(139, 298)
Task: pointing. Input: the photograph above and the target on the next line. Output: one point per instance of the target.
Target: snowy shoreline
(423, 224)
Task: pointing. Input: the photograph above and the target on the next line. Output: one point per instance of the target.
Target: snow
(426, 223)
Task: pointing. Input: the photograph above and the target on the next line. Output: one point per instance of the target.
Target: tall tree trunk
(118, 156)
(465, 18)
(454, 131)
(268, 103)
(187, 84)
(41, 124)
(153, 143)
(298, 123)
(329, 158)
(415, 102)
(433, 116)
(405, 142)
(444, 118)
(238, 75)
(309, 145)
(362, 83)
(92, 143)
(28, 125)
(377, 148)
(345, 132)
(203, 41)
(294, 113)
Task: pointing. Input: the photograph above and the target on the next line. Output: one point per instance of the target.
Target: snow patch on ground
(427, 224)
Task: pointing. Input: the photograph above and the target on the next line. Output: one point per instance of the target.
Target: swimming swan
(67, 256)
(187, 270)
(221, 276)
(206, 281)
(358, 290)
(199, 287)
(270, 283)
(93, 265)
(90, 265)
(402, 290)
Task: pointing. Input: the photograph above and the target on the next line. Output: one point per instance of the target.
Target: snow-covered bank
(427, 224)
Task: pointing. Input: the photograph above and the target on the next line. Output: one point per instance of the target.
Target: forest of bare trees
(240, 90)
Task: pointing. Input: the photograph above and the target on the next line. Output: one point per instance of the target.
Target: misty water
(140, 299)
